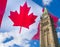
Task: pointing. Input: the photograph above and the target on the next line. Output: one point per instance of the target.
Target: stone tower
(48, 35)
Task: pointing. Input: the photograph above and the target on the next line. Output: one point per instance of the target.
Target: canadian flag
(20, 23)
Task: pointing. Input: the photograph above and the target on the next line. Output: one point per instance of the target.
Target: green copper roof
(45, 11)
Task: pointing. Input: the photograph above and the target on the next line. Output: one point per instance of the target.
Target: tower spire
(48, 35)
(45, 10)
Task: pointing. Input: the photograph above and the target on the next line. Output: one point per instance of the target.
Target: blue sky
(53, 8)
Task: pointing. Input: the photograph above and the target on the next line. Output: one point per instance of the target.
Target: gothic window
(44, 17)
(45, 23)
(46, 31)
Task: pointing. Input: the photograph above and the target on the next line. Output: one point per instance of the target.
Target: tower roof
(45, 11)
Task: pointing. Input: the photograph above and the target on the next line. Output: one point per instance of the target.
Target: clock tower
(48, 34)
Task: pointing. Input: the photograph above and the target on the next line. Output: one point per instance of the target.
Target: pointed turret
(48, 35)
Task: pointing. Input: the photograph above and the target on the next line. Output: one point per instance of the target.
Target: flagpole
(20, 29)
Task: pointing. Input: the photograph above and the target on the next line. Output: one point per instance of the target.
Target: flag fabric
(20, 22)
(2, 9)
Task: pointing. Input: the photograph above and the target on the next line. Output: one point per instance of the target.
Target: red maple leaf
(22, 19)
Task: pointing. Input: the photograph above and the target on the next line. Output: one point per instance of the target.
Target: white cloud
(58, 34)
(27, 45)
(59, 20)
(46, 2)
(59, 28)
(18, 39)
(1, 45)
